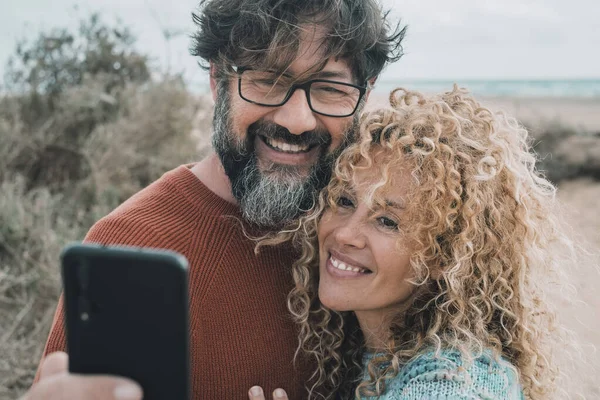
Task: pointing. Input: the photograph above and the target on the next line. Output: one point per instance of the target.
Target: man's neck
(210, 172)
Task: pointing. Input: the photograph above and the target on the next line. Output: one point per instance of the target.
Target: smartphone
(127, 315)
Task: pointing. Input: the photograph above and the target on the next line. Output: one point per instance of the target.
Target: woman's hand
(256, 393)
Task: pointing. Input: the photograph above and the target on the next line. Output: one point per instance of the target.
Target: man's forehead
(310, 61)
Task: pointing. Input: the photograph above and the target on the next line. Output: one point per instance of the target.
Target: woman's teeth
(283, 146)
(345, 267)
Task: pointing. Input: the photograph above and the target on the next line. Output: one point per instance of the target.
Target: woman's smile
(343, 267)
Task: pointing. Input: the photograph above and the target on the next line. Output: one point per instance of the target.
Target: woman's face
(364, 256)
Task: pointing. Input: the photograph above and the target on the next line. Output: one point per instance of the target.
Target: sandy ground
(582, 200)
(581, 113)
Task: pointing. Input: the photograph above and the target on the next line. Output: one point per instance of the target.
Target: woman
(425, 264)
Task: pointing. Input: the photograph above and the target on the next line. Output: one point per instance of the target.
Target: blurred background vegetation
(85, 122)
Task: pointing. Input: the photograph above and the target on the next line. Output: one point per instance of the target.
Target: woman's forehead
(380, 161)
(383, 179)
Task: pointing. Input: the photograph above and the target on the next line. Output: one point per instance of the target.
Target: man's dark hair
(265, 34)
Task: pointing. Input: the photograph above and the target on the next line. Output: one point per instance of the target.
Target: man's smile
(281, 145)
(280, 152)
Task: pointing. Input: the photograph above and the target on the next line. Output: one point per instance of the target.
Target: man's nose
(295, 114)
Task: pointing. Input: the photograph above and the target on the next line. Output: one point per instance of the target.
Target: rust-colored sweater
(241, 333)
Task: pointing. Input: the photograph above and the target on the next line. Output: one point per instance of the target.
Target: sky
(447, 39)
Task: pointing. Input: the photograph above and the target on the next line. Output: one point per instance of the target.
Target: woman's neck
(375, 329)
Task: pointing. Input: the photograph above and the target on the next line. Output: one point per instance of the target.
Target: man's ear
(213, 80)
(370, 86)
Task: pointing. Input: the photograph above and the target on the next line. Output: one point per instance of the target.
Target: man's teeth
(345, 267)
(283, 146)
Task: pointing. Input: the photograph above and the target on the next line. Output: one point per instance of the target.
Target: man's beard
(278, 193)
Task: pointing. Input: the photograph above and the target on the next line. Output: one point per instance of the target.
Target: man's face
(277, 158)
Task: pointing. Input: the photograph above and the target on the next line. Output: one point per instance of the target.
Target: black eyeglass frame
(304, 86)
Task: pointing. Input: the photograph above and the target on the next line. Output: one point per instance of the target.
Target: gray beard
(277, 194)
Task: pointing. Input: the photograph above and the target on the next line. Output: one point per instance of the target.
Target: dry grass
(54, 188)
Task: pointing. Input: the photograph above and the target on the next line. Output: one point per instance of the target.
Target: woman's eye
(387, 223)
(344, 202)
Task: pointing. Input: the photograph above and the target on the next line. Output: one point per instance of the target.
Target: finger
(98, 387)
(55, 363)
(280, 394)
(256, 393)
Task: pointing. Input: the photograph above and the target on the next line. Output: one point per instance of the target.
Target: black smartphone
(127, 315)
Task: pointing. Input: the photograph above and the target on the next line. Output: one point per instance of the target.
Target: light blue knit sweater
(431, 377)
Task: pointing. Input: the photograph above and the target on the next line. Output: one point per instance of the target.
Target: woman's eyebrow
(393, 204)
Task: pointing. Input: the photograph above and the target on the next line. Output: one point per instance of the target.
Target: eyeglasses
(325, 97)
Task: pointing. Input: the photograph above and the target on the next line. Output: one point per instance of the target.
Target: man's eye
(269, 83)
(265, 81)
(387, 223)
(330, 90)
(344, 202)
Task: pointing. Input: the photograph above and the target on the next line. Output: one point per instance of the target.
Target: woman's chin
(333, 302)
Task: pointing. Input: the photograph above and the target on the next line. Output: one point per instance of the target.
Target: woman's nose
(351, 233)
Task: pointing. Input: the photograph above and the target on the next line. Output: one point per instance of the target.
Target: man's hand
(56, 383)
(256, 393)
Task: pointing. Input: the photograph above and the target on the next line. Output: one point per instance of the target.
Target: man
(288, 78)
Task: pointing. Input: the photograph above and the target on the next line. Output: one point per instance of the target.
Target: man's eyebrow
(332, 74)
(316, 75)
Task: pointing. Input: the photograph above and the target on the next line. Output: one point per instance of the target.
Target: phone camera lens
(84, 309)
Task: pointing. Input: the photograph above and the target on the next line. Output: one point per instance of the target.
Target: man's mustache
(277, 132)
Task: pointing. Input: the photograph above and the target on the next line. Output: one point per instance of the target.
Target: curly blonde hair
(484, 223)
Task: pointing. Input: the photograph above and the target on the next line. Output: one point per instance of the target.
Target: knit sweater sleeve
(435, 379)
